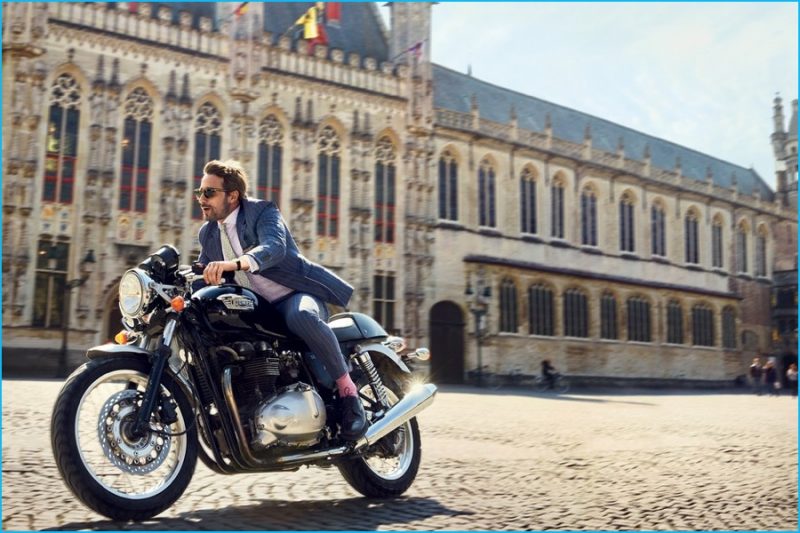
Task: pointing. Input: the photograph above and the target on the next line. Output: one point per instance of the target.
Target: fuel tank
(233, 309)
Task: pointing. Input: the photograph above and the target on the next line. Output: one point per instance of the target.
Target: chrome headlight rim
(145, 283)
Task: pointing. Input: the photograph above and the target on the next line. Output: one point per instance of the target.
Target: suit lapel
(214, 244)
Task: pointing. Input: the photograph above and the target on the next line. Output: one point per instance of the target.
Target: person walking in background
(755, 375)
(791, 379)
(771, 378)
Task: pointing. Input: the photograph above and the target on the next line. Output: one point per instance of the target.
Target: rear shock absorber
(365, 361)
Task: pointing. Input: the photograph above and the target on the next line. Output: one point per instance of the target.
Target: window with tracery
(741, 248)
(61, 149)
(541, 320)
(508, 306)
(486, 194)
(658, 230)
(761, 252)
(448, 187)
(588, 217)
(674, 322)
(702, 325)
(691, 236)
(50, 283)
(270, 158)
(329, 163)
(626, 221)
(136, 141)
(576, 313)
(716, 244)
(557, 209)
(385, 190)
(527, 200)
(608, 317)
(207, 145)
(639, 319)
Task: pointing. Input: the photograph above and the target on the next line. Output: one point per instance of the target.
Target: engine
(274, 404)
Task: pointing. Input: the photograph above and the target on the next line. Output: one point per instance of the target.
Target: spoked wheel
(112, 469)
(388, 467)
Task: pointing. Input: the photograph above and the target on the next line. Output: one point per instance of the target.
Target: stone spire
(792, 131)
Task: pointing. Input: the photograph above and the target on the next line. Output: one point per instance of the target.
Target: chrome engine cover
(294, 417)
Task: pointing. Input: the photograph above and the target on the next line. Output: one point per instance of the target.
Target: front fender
(386, 354)
(115, 350)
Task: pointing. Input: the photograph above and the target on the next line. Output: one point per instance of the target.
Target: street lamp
(86, 269)
(479, 307)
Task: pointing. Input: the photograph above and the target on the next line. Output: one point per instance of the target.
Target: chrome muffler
(412, 404)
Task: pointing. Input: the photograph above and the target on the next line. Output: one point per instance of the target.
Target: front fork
(160, 358)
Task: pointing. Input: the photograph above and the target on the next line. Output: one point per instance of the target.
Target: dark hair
(234, 177)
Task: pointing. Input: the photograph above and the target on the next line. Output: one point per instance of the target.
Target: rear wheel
(387, 468)
(112, 470)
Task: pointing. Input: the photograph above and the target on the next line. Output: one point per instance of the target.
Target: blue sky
(703, 75)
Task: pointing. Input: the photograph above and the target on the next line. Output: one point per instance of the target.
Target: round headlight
(134, 294)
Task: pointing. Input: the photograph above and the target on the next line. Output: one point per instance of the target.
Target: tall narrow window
(588, 218)
(486, 194)
(328, 192)
(383, 301)
(626, 221)
(741, 248)
(540, 310)
(658, 230)
(761, 252)
(639, 324)
(702, 325)
(508, 306)
(576, 314)
(557, 209)
(528, 202)
(716, 244)
(136, 139)
(674, 322)
(691, 234)
(384, 191)
(608, 317)
(50, 284)
(729, 328)
(270, 159)
(62, 140)
(207, 140)
(448, 187)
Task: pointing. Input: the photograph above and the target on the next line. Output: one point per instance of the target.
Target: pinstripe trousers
(306, 317)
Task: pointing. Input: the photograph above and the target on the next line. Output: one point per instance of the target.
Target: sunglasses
(209, 192)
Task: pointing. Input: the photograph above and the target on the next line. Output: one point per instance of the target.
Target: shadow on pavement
(280, 515)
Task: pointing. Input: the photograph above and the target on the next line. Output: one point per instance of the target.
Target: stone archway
(447, 343)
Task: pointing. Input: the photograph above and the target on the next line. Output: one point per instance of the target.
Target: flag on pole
(241, 9)
(309, 22)
(333, 12)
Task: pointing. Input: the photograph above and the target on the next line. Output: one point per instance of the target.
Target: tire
(562, 386)
(86, 420)
(362, 473)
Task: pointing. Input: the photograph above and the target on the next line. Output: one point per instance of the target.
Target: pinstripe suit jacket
(264, 234)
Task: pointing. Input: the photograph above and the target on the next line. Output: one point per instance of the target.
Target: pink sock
(346, 386)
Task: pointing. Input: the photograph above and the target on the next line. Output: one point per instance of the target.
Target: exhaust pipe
(400, 413)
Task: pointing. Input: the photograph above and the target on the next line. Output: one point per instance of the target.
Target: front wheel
(117, 473)
(387, 468)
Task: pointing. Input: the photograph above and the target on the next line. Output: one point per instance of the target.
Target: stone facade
(189, 82)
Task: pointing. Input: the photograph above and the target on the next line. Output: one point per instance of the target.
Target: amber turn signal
(121, 337)
(178, 304)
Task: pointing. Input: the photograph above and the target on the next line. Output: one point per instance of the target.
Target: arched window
(328, 193)
(136, 139)
(716, 243)
(674, 322)
(207, 141)
(508, 306)
(486, 192)
(626, 221)
(588, 217)
(729, 328)
(741, 248)
(702, 325)
(691, 236)
(62, 140)
(527, 197)
(557, 209)
(384, 190)
(576, 313)
(448, 187)
(50, 283)
(540, 310)
(658, 230)
(761, 252)
(639, 319)
(270, 158)
(608, 317)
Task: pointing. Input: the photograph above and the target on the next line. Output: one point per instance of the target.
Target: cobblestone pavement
(506, 461)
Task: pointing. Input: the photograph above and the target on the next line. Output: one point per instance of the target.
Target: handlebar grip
(198, 268)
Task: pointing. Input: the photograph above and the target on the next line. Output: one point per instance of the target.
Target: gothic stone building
(611, 252)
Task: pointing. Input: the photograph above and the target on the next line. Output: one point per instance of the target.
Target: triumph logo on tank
(237, 303)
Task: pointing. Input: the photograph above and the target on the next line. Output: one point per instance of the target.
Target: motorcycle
(215, 373)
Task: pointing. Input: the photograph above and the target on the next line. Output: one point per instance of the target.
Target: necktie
(228, 254)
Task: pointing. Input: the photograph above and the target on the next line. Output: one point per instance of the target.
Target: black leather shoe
(354, 419)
